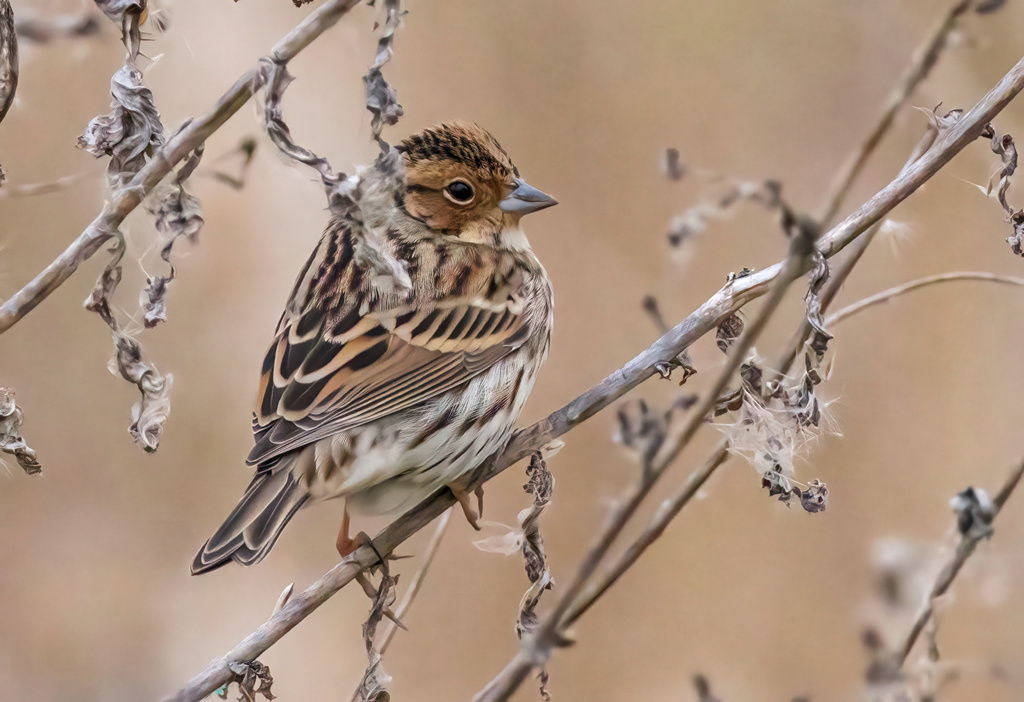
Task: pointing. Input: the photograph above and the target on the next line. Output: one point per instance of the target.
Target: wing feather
(328, 372)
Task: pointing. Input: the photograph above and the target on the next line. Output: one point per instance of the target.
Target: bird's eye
(459, 192)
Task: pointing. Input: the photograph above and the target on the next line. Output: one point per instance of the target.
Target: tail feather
(252, 528)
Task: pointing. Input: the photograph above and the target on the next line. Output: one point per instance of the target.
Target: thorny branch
(736, 293)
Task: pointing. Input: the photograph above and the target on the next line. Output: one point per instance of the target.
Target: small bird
(382, 392)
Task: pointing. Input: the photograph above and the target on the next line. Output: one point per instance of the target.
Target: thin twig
(417, 579)
(668, 511)
(886, 295)
(964, 549)
(125, 200)
(922, 62)
(414, 587)
(920, 66)
(731, 297)
(734, 295)
(536, 648)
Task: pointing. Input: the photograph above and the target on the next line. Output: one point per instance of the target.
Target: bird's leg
(462, 496)
(347, 545)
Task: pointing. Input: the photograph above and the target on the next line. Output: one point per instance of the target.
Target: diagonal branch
(537, 648)
(734, 295)
(126, 199)
(970, 539)
(886, 295)
(920, 66)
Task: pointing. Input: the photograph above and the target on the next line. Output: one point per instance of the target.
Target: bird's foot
(464, 500)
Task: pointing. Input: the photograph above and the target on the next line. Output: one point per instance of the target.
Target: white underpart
(387, 475)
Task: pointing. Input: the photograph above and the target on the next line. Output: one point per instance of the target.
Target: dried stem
(886, 295)
(537, 647)
(417, 580)
(920, 66)
(734, 295)
(924, 58)
(666, 513)
(964, 549)
(123, 201)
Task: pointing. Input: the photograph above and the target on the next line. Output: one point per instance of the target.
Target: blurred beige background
(95, 598)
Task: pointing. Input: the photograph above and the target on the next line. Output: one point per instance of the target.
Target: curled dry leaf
(178, 214)
(150, 413)
(117, 9)
(728, 331)
(974, 513)
(373, 686)
(815, 497)
(1003, 146)
(641, 428)
(252, 678)
(673, 167)
(130, 133)
(540, 486)
(11, 441)
(1016, 241)
(817, 278)
(381, 98)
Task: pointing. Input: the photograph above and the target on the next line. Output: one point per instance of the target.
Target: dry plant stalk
(952, 136)
(975, 514)
(133, 178)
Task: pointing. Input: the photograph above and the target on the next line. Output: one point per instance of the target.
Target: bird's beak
(525, 199)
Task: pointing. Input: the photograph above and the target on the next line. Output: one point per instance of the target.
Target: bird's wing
(325, 375)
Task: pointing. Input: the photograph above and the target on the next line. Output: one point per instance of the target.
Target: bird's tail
(249, 532)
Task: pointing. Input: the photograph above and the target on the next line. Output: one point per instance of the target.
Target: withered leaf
(130, 132)
(151, 411)
(178, 215)
(817, 278)
(672, 165)
(815, 497)
(1016, 241)
(1003, 146)
(373, 686)
(253, 678)
(11, 441)
(728, 331)
(381, 98)
(117, 9)
(641, 428)
(974, 513)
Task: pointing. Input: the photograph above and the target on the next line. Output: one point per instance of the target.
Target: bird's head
(461, 183)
